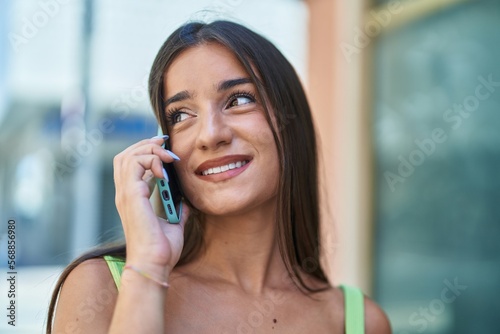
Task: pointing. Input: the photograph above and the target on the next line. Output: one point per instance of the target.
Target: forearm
(153, 245)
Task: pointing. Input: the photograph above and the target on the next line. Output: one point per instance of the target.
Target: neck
(243, 249)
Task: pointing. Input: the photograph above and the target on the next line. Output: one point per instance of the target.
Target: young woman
(244, 257)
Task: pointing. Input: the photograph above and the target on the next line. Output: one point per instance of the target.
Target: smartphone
(170, 193)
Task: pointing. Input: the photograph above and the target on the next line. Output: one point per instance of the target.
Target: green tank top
(353, 298)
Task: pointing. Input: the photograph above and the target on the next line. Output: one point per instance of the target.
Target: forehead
(202, 65)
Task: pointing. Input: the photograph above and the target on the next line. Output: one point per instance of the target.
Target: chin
(220, 208)
(234, 205)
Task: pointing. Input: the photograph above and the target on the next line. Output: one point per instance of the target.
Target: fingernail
(173, 155)
(165, 175)
(164, 137)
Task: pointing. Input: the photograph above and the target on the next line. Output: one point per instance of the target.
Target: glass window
(437, 145)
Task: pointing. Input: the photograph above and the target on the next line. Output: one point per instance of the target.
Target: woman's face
(217, 126)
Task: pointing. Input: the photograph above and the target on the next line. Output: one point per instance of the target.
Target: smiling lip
(223, 168)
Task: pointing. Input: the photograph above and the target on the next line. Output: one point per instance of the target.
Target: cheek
(187, 184)
(255, 129)
(264, 140)
(183, 147)
(267, 150)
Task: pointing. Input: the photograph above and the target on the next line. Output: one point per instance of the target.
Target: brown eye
(240, 100)
(180, 116)
(176, 116)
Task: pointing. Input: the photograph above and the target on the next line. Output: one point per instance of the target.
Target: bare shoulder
(87, 299)
(376, 321)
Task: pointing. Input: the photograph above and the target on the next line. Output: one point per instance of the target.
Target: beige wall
(339, 90)
(340, 109)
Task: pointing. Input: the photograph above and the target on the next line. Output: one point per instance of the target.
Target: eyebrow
(222, 86)
(181, 96)
(227, 84)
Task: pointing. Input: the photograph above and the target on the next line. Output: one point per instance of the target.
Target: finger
(186, 211)
(137, 166)
(171, 230)
(144, 147)
(151, 148)
(150, 179)
(157, 203)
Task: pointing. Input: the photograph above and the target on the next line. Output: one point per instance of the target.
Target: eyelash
(171, 114)
(241, 93)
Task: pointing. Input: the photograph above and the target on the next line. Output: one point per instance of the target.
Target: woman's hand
(153, 244)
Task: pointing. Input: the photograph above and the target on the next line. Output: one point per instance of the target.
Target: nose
(214, 132)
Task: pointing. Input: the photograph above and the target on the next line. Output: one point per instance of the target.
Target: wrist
(147, 275)
(160, 272)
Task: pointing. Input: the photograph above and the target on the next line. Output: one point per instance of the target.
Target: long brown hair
(289, 116)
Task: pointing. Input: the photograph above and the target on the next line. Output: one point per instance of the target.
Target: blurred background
(406, 98)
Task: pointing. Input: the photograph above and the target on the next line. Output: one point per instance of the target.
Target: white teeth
(220, 169)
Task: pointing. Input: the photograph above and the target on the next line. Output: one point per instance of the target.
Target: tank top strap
(115, 265)
(354, 310)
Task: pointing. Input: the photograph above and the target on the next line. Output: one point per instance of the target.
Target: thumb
(150, 180)
(157, 203)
